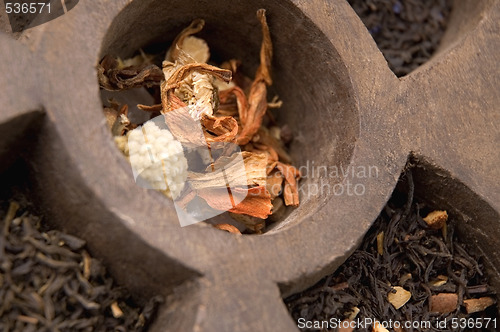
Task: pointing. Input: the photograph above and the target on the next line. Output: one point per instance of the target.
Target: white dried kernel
(156, 156)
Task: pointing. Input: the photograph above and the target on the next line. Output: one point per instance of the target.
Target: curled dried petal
(274, 183)
(195, 27)
(228, 228)
(241, 101)
(220, 129)
(258, 92)
(175, 80)
(113, 78)
(256, 204)
(152, 108)
(291, 192)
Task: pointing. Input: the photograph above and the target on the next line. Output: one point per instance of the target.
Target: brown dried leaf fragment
(252, 119)
(278, 210)
(274, 183)
(241, 101)
(436, 219)
(195, 27)
(219, 128)
(378, 327)
(477, 305)
(380, 243)
(113, 78)
(116, 311)
(443, 303)
(152, 108)
(255, 168)
(253, 224)
(181, 125)
(228, 228)
(399, 297)
(291, 191)
(256, 204)
(347, 325)
(254, 174)
(122, 122)
(265, 138)
(175, 81)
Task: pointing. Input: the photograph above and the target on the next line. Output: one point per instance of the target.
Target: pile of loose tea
(228, 106)
(48, 282)
(411, 267)
(406, 31)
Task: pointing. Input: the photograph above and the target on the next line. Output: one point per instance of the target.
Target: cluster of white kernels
(158, 158)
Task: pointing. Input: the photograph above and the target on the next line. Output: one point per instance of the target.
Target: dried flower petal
(291, 192)
(253, 224)
(257, 99)
(220, 129)
(195, 27)
(278, 210)
(256, 204)
(274, 183)
(175, 80)
(265, 137)
(254, 175)
(228, 228)
(152, 108)
(241, 101)
(112, 77)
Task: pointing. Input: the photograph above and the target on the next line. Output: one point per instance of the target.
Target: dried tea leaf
(113, 78)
